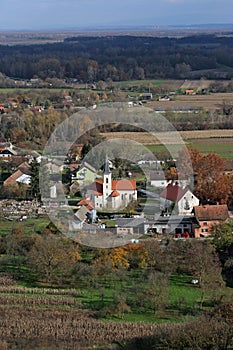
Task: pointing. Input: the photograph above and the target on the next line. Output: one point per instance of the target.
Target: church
(111, 194)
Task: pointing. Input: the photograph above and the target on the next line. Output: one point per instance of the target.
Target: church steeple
(107, 183)
(106, 167)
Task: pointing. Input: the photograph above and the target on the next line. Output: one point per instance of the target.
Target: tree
(34, 183)
(14, 190)
(200, 259)
(222, 236)
(129, 256)
(85, 150)
(120, 305)
(156, 294)
(52, 258)
(211, 184)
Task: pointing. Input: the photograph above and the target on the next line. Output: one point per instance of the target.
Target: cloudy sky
(66, 14)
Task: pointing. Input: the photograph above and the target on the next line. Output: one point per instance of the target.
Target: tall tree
(34, 183)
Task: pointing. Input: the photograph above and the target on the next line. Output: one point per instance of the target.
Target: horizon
(124, 27)
(80, 14)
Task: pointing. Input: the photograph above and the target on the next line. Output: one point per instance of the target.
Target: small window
(205, 223)
(107, 180)
(204, 230)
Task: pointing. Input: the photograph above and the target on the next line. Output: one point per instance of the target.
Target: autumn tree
(53, 258)
(211, 182)
(129, 256)
(14, 190)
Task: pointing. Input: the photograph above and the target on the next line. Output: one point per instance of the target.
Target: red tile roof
(121, 185)
(90, 207)
(97, 187)
(83, 202)
(16, 175)
(173, 192)
(114, 194)
(211, 212)
(117, 185)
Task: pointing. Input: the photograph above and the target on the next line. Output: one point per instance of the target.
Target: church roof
(121, 185)
(173, 192)
(117, 185)
(114, 194)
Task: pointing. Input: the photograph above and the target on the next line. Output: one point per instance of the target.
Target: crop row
(47, 291)
(39, 300)
(75, 325)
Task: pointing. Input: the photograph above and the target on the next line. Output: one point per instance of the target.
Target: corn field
(26, 322)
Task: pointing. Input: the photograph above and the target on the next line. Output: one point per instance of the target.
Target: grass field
(29, 226)
(183, 298)
(222, 147)
(102, 296)
(207, 141)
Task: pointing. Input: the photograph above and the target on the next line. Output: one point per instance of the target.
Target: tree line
(119, 58)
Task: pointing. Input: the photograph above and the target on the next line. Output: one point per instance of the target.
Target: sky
(71, 14)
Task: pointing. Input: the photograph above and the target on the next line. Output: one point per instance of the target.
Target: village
(116, 176)
(104, 202)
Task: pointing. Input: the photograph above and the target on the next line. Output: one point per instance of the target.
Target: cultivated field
(207, 141)
(207, 102)
(147, 139)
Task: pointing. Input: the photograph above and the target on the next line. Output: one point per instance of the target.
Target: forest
(118, 58)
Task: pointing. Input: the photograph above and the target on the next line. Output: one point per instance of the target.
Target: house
(25, 168)
(18, 177)
(174, 224)
(125, 226)
(112, 194)
(146, 96)
(179, 198)
(85, 174)
(79, 218)
(7, 153)
(21, 175)
(2, 109)
(209, 215)
(149, 161)
(189, 92)
(6, 150)
(158, 179)
(164, 98)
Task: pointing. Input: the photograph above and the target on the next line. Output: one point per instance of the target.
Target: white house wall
(192, 201)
